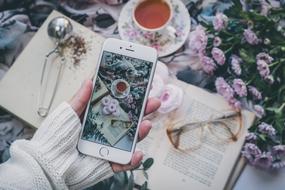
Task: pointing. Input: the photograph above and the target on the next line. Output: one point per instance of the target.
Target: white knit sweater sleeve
(50, 159)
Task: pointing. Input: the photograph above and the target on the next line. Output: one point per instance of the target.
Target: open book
(208, 167)
(20, 87)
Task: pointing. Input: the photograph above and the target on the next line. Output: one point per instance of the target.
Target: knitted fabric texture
(50, 159)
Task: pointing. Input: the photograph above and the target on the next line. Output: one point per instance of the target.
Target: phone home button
(103, 151)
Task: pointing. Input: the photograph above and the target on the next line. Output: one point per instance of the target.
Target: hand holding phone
(118, 101)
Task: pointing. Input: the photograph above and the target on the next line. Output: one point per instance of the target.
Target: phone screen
(117, 100)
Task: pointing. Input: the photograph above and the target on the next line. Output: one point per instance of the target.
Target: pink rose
(171, 98)
(218, 56)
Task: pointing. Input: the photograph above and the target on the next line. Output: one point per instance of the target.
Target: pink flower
(266, 129)
(250, 151)
(235, 65)
(240, 87)
(171, 98)
(224, 89)
(208, 64)
(250, 137)
(217, 41)
(198, 41)
(263, 68)
(264, 56)
(106, 101)
(220, 21)
(259, 111)
(218, 56)
(235, 103)
(278, 164)
(278, 150)
(269, 79)
(250, 37)
(254, 92)
(106, 111)
(263, 160)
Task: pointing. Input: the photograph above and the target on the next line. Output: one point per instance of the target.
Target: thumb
(81, 98)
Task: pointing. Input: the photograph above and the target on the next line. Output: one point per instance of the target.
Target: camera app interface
(117, 100)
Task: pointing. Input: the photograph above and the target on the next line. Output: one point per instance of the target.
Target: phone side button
(104, 152)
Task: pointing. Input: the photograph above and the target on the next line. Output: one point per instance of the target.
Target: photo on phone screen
(117, 100)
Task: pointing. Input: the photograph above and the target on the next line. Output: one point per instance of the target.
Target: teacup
(121, 87)
(154, 16)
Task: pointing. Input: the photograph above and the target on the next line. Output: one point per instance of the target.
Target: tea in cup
(153, 15)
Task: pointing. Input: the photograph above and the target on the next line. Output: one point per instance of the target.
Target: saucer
(117, 94)
(164, 44)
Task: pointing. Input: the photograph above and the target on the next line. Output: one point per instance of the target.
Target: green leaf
(144, 186)
(148, 163)
(131, 182)
(272, 109)
(262, 137)
(145, 174)
(247, 56)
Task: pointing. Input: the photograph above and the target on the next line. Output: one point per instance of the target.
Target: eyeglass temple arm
(221, 118)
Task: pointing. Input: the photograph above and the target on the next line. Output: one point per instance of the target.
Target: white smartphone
(115, 110)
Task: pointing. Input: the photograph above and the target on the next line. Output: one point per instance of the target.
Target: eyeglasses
(187, 136)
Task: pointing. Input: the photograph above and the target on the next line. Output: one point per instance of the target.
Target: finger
(81, 98)
(135, 162)
(144, 129)
(152, 105)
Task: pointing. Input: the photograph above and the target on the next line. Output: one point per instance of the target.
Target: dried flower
(266, 129)
(250, 137)
(240, 87)
(208, 64)
(218, 56)
(259, 111)
(198, 41)
(263, 160)
(250, 37)
(217, 41)
(220, 21)
(254, 92)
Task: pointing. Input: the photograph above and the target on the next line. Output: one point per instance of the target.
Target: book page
(206, 167)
